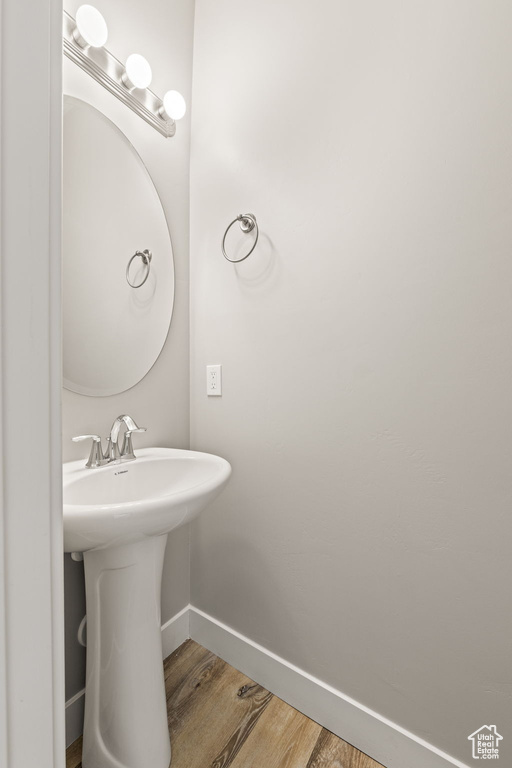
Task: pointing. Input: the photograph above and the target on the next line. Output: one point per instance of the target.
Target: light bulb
(91, 28)
(174, 106)
(138, 72)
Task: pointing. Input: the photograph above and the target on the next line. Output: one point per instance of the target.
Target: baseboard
(75, 717)
(370, 732)
(174, 633)
(365, 729)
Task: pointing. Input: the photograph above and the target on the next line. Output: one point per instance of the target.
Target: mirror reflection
(118, 268)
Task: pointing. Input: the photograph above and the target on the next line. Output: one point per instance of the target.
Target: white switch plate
(214, 380)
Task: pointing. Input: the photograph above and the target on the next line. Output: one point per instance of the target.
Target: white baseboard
(370, 732)
(75, 717)
(174, 633)
(365, 729)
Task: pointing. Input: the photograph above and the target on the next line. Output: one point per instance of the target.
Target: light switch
(214, 380)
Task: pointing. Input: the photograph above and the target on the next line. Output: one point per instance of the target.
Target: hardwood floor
(219, 718)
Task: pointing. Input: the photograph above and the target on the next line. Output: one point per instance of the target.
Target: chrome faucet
(126, 453)
(112, 453)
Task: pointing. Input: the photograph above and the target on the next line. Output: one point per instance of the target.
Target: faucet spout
(126, 454)
(116, 426)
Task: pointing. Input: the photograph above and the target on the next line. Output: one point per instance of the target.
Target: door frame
(31, 542)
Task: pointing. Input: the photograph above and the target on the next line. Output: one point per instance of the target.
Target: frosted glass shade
(138, 71)
(174, 105)
(91, 27)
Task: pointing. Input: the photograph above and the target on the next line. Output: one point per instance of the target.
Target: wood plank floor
(219, 718)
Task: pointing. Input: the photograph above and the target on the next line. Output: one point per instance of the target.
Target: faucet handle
(96, 455)
(127, 453)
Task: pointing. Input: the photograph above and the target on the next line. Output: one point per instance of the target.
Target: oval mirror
(113, 332)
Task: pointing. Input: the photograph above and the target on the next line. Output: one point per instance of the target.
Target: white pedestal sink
(119, 516)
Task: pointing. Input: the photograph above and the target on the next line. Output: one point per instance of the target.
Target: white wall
(163, 32)
(367, 372)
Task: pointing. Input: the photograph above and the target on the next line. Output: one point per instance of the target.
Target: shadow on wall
(262, 266)
(74, 606)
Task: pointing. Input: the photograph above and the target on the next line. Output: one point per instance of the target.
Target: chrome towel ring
(146, 257)
(247, 223)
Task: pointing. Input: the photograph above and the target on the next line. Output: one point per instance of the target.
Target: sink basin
(119, 516)
(162, 489)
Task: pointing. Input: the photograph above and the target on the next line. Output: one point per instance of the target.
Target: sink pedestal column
(125, 707)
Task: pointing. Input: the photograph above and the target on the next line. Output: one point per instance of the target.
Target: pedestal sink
(119, 516)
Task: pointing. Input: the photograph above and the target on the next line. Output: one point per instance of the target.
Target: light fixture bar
(108, 71)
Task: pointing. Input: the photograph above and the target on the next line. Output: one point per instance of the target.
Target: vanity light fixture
(138, 72)
(84, 41)
(91, 28)
(174, 105)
